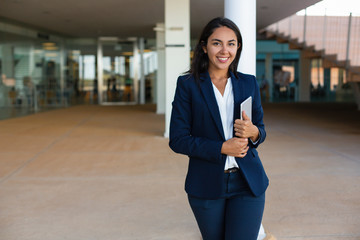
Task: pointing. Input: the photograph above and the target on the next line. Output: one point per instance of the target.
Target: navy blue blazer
(196, 131)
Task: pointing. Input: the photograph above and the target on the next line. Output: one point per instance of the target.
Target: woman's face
(221, 49)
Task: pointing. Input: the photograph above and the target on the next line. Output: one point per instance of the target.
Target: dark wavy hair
(200, 61)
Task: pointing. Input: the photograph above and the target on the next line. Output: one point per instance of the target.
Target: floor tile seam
(45, 149)
(319, 145)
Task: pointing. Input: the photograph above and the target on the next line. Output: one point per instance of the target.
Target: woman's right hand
(236, 147)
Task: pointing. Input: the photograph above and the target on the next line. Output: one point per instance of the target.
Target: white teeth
(223, 59)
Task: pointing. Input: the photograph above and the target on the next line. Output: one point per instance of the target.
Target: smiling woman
(226, 181)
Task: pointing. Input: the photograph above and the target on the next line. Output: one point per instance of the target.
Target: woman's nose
(223, 48)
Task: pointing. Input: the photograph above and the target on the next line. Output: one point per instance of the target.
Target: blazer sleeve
(258, 115)
(181, 140)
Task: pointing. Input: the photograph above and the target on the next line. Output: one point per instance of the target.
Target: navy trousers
(236, 215)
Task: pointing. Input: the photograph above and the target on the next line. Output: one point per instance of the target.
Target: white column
(152, 66)
(177, 48)
(269, 74)
(160, 75)
(142, 67)
(62, 73)
(243, 14)
(304, 78)
(100, 71)
(136, 71)
(31, 60)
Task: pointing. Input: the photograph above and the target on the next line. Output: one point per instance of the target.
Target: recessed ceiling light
(48, 44)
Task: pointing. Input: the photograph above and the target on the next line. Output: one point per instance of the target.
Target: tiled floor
(92, 172)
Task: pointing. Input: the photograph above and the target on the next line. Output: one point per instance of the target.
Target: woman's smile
(223, 59)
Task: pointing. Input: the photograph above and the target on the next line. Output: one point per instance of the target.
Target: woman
(226, 181)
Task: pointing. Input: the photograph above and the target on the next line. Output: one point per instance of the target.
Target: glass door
(116, 72)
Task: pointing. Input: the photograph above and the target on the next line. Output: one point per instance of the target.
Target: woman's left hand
(245, 129)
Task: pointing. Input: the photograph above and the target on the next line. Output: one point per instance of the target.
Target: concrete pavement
(96, 172)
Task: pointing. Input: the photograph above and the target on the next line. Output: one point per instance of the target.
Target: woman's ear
(204, 49)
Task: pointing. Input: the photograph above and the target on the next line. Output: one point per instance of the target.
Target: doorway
(117, 71)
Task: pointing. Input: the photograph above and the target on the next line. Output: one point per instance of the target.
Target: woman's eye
(216, 44)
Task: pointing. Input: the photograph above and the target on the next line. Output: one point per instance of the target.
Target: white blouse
(226, 107)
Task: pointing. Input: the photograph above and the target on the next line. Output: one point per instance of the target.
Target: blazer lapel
(209, 96)
(239, 93)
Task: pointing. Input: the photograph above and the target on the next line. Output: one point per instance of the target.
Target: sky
(334, 8)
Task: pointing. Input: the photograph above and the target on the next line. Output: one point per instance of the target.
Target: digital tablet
(246, 106)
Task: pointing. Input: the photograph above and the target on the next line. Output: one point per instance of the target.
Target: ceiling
(127, 18)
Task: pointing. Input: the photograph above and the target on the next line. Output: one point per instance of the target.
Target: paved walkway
(92, 172)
